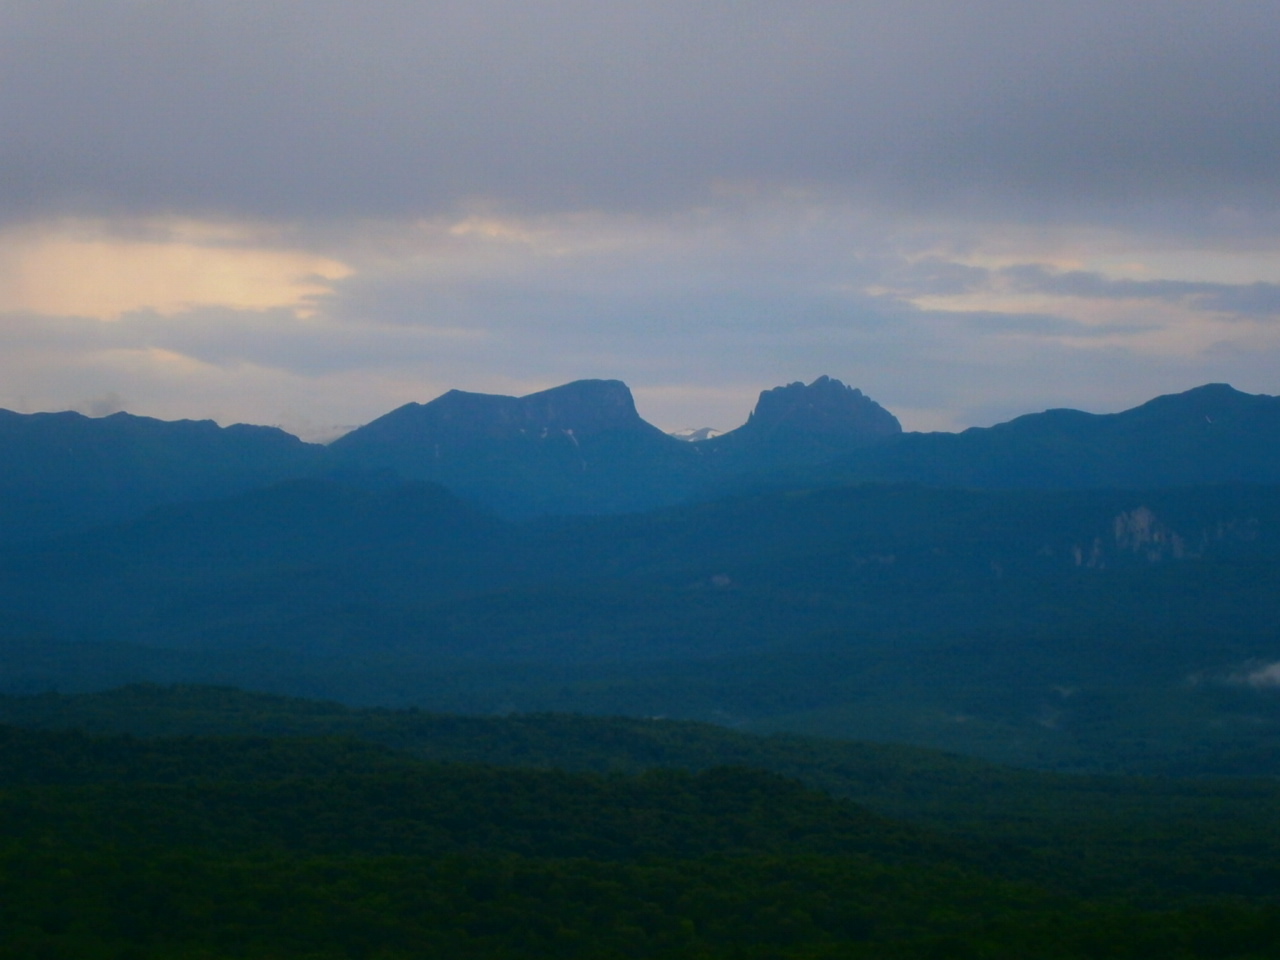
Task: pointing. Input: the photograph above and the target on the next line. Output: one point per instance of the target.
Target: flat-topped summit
(583, 408)
(580, 447)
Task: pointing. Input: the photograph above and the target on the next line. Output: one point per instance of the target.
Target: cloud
(102, 406)
(102, 270)
(698, 312)
(312, 213)
(385, 109)
(1046, 325)
(1258, 298)
(1260, 677)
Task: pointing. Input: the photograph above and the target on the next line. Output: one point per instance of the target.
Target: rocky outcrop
(799, 425)
(825, 407)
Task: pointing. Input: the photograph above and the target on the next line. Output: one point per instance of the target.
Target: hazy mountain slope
(253, 568)
(578, 448)
(582, 448)
(1033, 626)
(904, 557)
(1212, 434)
(62, 471)
(1081, 627)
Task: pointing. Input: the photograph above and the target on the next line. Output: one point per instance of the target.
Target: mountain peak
(579, 447)
(1216, 399)
(582, 408)
(825, 407)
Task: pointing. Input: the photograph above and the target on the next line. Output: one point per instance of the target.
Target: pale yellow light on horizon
(492, 228)
(76, 270)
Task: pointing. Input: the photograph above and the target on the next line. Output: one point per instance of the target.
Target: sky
(309, 213)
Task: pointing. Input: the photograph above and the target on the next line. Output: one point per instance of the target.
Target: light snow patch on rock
(694, 434)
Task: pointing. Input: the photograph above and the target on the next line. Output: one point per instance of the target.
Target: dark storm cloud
(334, 109)
(1244, 299)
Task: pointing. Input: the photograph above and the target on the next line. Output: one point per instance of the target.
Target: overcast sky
(308, 213)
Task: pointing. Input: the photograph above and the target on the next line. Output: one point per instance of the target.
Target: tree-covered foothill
(1202, 835)
(284, 846)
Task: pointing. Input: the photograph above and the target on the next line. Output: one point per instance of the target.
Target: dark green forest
(286, 828)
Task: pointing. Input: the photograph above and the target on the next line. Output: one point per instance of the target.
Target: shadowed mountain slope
(577, 448)
(582, 448)
(1081, 627)
(64, 471)
(1212, 434)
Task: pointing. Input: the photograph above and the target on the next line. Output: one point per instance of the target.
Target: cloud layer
(387, 109)
(310, 212)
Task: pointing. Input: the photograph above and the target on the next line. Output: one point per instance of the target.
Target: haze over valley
(1055, 590)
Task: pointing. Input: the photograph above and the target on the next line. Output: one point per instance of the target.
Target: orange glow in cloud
(83, 270)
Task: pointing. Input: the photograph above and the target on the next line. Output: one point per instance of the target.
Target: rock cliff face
(580, 409)
(826, 407)
(799, 425)
(580, 447)
(586, 407)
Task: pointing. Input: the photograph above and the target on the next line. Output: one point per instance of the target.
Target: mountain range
(1066, 590)
(582, 448)
(575, 687)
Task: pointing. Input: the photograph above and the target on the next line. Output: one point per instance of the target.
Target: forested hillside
(1086, 629)
(288, 847)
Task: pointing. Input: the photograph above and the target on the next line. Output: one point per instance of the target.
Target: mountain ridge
(1209, 434)
(62, 472)
(581, 408)
(583, 448)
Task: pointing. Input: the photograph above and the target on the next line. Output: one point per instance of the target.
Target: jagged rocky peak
(825, 406)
